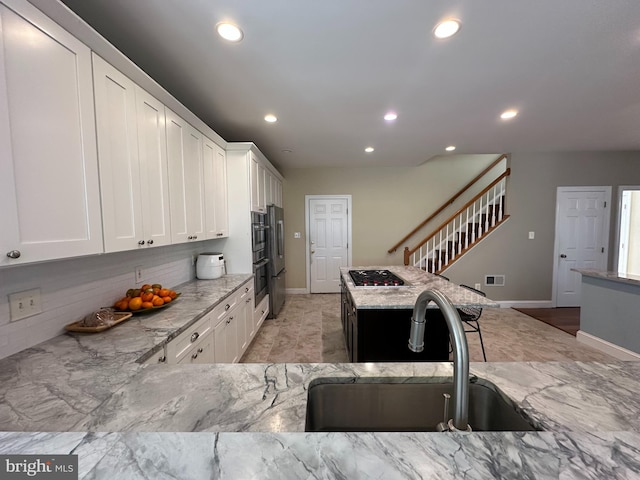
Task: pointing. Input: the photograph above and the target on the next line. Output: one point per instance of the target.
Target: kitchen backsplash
(72, 288)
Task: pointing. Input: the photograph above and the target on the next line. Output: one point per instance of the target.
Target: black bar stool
(470, 317)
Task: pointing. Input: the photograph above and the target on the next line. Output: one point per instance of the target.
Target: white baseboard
(296, 291)
(606, 347)
(525, 304)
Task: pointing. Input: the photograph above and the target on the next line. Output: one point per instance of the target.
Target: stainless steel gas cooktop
(375, 278)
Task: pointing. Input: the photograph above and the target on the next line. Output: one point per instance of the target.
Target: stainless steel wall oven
(260, 260)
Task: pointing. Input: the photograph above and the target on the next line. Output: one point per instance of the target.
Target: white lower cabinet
(222, 335)
(260, 313)
(187, 343)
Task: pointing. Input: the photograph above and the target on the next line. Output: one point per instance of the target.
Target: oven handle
(261, 263)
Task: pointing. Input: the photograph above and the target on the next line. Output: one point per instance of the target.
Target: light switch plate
(297, 235)
(532, 235)
(25, 304)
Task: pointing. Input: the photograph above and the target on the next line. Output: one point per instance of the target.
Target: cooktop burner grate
(375, 278)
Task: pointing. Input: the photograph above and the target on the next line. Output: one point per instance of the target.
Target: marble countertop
(628, 278)
(86, 394)
(404, 297)
(247, 421)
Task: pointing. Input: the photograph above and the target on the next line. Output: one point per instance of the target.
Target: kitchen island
(88, 396)
(376, 320)
(609, 312)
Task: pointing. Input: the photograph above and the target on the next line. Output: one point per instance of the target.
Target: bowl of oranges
(147, 298)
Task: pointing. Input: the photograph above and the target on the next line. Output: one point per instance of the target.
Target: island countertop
(404, 297)
(628, 278)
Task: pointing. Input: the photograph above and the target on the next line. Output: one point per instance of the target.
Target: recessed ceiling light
(390, 116)
(450, 148)
(447, 28)
(270, 118)
(229, 32)
(369, 149)
(506, 115)
(287, 150)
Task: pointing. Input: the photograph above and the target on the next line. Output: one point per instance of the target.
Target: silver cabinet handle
(190, 237)
(194, 336)
(149, 242)
(195, 237)
(247, 300)
(227, 306)
(194, 356)
(162, 359)
(246, 289)
(141, 242)
(14, 254)
(563, 256)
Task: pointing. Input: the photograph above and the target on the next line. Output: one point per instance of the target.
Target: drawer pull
(227, 307)
(13, 254)
(162, 359)
(194, 336)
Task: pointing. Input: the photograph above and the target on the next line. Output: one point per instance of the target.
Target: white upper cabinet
(186, 187)
(154, 176)
(133, 162)
(215, 190)
(48, 167)
(257, 186)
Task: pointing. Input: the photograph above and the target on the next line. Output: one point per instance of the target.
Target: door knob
(13, 254)
(313, 251)
(563, 255)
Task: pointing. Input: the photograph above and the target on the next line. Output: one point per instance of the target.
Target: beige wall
(383, 201)
(383, 211)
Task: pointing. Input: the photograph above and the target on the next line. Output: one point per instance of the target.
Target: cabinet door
(194, 184)
(256, 190)
(118, 157)
(262, 180)
(154, 183)
(49, 188)
(222, 206)
(186, 194)
(215, 189)
(250, 326)
(268, 193)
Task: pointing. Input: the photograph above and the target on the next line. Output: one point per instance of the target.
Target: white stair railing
(462, 230)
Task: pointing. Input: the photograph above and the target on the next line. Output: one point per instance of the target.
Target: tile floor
(308, 329)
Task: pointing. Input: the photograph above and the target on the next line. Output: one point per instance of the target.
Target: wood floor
(566, 319)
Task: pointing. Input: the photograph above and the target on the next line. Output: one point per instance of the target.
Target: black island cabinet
(382, 334)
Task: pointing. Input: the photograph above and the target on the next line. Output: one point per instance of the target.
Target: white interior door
(328, 237)
(582, 226)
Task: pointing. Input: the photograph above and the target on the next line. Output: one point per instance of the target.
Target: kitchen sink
(413, 404)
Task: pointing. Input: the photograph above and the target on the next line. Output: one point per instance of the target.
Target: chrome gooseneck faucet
(460, 352)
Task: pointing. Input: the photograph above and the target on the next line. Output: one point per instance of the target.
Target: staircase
(463, 229)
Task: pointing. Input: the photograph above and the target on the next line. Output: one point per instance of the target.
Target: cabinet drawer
(200, 352)
(182, 344)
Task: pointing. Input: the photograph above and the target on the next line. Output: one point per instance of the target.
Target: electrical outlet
(478, 286)
(297, 235)
(532, 235)
(25, 304)
(139, 275)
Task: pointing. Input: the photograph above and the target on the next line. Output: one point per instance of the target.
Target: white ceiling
(330, 69)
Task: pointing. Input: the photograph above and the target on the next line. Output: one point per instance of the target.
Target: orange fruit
(147, 296)
(172, 294)
(157, 301)
(164, 292)
(147, 305)
(166, 299)
(135, 303)
(122, 305)
(145, 287)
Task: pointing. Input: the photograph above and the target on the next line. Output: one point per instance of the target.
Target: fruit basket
(148, 298)
(153, 309)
